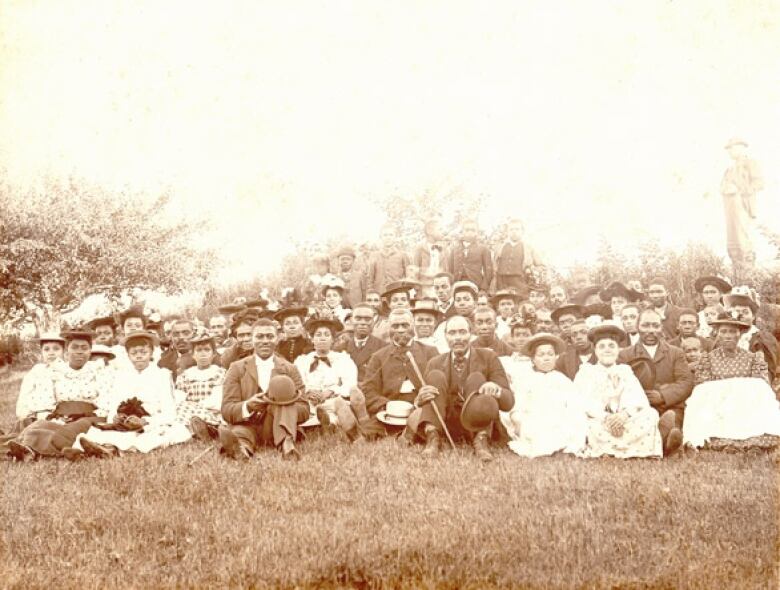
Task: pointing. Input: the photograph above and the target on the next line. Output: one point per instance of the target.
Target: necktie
(459, 362)
(317, 360)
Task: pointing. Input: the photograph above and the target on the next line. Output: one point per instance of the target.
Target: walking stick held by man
(433, 405)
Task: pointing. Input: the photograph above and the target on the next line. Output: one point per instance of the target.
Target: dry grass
(378, 516)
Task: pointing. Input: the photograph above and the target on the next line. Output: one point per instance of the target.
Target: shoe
(20, 452)
(324, 419)
(93, 449)
(200, 429)
(231, 445)
(289, 452)
(72, 454)
(431, 442)
(481, 447)
(673, 441)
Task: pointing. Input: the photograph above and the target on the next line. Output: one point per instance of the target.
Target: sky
(285, 119)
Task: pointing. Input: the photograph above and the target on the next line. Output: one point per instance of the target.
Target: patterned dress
(733, 399)
(199, 392)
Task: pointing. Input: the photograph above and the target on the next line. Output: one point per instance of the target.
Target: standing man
(354, 280)
(513, 258)
(429, 256)
(262, 399)
(658, 296)
(388, 264)
(468, 260)
(362, 344)
(469, 387)
(741, 182)
(673, 378)
(442, 286)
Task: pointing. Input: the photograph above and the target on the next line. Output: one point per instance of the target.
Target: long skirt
(737, 409)
(640, 437)
(151, 438)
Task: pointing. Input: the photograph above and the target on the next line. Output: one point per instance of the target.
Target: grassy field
(379, 516)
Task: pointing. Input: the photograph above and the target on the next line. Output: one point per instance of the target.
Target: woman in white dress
(732, 398)
(548, 415)
(36, 394)
(328, 375)
(148, 390)
(620, 421)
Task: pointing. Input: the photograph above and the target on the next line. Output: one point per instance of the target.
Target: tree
(68, 240)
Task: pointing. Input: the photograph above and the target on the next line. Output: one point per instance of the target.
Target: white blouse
(340, 377)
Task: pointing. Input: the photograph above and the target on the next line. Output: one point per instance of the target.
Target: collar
(361, 340)
(465, 356)
(263, 363)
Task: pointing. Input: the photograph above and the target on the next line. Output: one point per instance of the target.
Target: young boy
(388, 264)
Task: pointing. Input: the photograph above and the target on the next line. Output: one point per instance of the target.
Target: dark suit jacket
(175, 362)
(669, 323)
(477, 267)
(241, 384)
(569, 362)
(481, 360)
(500, 347)
(361, 356)
(673, 377)
(388, 369)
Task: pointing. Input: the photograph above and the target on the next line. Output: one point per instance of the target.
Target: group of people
(430, 358)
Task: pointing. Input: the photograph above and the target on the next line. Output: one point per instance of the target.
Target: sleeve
(633, 398)
(295, 375)
(759, 368)
(532, 257)
(348, 374)
(371, 386)
(233, 406)
(487, 265)
(591, 398)
(497, 375)
(36, 394)
(371, 272)
(704, 368)
(301, 364)
(680, 389)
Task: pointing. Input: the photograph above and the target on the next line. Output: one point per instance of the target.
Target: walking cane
(200, 455)
(433, 405)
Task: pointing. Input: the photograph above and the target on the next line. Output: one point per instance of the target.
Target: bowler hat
(719, 283)
(543, 338)
(644, 371)
(281, 391)
(479, 411)
(568, 309)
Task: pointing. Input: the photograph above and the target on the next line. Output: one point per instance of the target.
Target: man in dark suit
(687, 325)
(468, 385)
(485, 326)
(259, 407)
(362, 344)
(673, 377)
(658, 296)
(579, 351)
(388, 376)
(179, 356)
(469, 260)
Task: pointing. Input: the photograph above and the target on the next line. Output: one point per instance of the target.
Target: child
(199, 391)
(693, 350)
(706, 316)
(548, 415)
(36, 395)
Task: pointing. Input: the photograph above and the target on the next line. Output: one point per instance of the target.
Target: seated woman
(620, 421)
(327, 375)
(36, 395)
(548, 415)
(199, 390)
(732, 398)
(67, 405)
(140, 407)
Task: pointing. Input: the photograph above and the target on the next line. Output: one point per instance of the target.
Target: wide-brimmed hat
(735, 141)
(465, 286)
(334, 282)
(102, 350)
(102, 321)
(281, 391)
(144, 335)
(79, 334)
(599, 332)
(260, 302)
(568, 309)
(334, 325)
(580, 296)
(286, 312)
(618, 289)
(479, 411)
(738, 298)
(729, 319)
(50, 337)
(203, 337)
(427, 305)
(134, 311)
(719, 283)
(543, 338)
(403, 286)
(231, 308)
(396, 413)
(603, 310)
(644, 370)
(504, 294)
